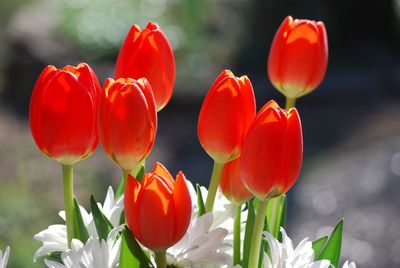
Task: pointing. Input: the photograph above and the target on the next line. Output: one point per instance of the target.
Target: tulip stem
(161, 259)
(214, 183)
(68, 181)
(290, 103)
(275, 214)
(236, 236)
(256, 238)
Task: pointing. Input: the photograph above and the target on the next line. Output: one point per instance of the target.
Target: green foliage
(318, 244)
(331, 249)
(276, 215)
(103, 225)
(251, 215)
(80, 231)
(132, 255)
(200, 202)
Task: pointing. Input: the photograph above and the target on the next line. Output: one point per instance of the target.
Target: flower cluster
(153, 219)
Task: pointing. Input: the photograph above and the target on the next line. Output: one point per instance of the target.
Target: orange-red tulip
(225, 116)
(231, 183)
(127, 121)
(148, 54)
(272, 152)
(298, 57)
(63, 112)
(158, 210)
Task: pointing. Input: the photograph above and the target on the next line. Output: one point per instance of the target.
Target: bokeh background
(351, 122)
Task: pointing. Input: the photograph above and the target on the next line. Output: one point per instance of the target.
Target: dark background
(351, 123)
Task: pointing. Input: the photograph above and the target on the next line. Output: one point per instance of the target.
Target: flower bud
(225, 116)
(63, 112)
(158, 210)
(127, 121)
(272, 152)
(298, 57)
(148, 54)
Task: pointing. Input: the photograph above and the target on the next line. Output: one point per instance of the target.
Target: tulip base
(161, 259)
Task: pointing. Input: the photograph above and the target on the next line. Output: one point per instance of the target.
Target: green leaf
(55, 256)
(200, 202)
(80, 231)
(276, 215)
(331, 250)
(248, 232)
(132, 255)
(140, 173)
(103, 225)
(318, 244)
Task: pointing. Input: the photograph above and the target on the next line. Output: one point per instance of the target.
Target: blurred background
(351, 122)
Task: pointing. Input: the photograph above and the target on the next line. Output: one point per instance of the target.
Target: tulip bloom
(148, 54)
(158, 210)
(127, 121)
(63, 112)
(272, 152)
(225, 116)
(231, 183)
(298, 57)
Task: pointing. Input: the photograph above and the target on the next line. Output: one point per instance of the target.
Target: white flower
(206, 242)
(4, 258)
(348, 264)
(54, 238)
(284, 255)
(95, 253)
(200, 245)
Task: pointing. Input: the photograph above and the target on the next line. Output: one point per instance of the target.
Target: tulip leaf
(103, 225)
(80, 231)
(331, 250)
(55, 256)
(140, 173)
(318, 244)
(132, 254)
(276, 215)
(248, 232)
(200, 202)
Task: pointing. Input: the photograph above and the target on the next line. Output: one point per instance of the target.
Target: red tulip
(225, 116)
(63, 112)
(148, 54)
(298, 57)
(272, 152)
(127, 121)
(158, 210)
(231, 183)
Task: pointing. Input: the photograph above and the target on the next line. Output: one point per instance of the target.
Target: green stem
(68, 181)
(236, 236)
(290, 103)
(274, 215)
(214, 183)
(161, 259)
(256, 238)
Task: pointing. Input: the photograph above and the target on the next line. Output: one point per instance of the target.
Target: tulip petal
(261, 153)
(150, 56)
(292, 150)
(66, 112)
(224, 117)
(182, 207)
(155, 227)
(162, 170)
